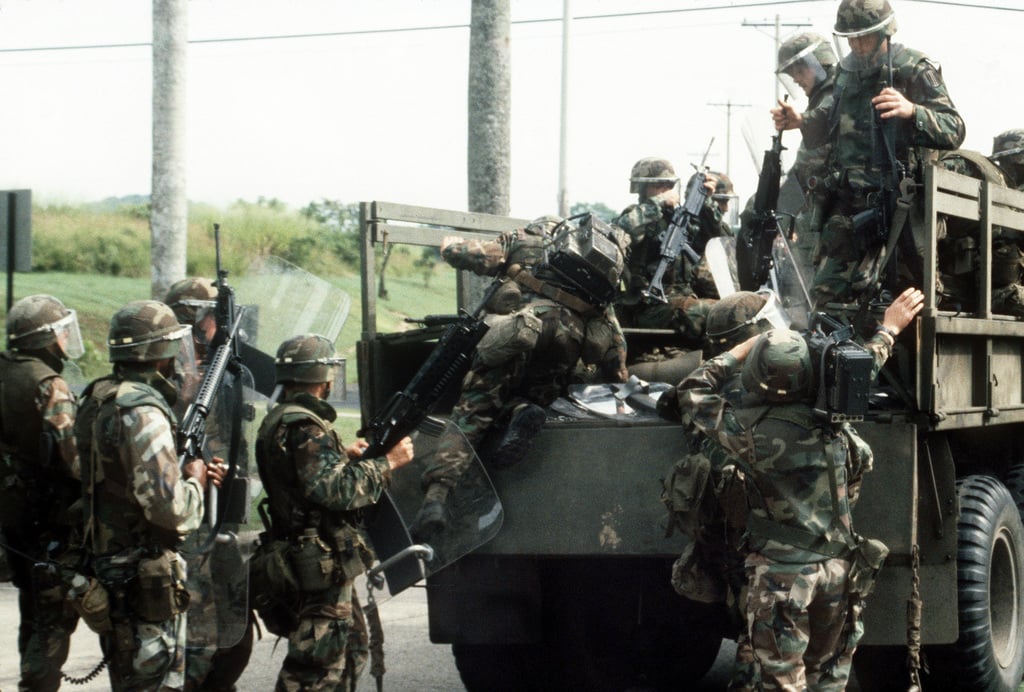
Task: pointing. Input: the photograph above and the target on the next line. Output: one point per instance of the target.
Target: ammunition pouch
(351, 554)
(313, 562)
(506, 299)
(866, 560)
(274, 586)
(683, 491)
(508, 336)
(159, 591)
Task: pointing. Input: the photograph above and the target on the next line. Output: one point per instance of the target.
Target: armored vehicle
(574, 591)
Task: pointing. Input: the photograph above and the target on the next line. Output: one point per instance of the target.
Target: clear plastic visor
(1007, 152)
(772, 312)
(65, 331)
(801, 73)
(859, 61)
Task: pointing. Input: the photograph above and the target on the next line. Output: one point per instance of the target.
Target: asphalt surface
(413, 663)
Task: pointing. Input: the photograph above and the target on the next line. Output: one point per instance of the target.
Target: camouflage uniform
(845, 259)
(313, 489)
(138, 505)
(809, 167)
(686, 309)
(803, 622)
(495, 392)
(37, 488)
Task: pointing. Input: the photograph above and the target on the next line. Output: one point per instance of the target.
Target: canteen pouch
(92, 603)
(867, 559)
(273, 586)
(508, 336)
(159, 592)
(313, 561)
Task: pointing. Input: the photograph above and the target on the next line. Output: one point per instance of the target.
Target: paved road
(413, 663)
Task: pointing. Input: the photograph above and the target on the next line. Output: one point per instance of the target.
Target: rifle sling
(531, 282)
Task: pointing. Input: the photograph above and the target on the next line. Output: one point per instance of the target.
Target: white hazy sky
(372, 113)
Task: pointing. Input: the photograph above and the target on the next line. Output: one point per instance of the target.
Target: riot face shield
(472, 512)
(802, 72)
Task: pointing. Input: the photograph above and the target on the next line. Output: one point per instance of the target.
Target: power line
(449, 27)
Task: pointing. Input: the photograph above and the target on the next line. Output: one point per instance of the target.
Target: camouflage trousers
(329, 648)
(44, 637)
(684, 312)
(803, 625)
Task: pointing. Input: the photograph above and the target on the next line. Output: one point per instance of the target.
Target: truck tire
(501, 667)
(989, 654)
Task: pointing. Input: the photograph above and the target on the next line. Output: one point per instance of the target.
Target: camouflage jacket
(135, 494)
(810, 165)
(854, 163)
(37, 416)
(788, 458)
(309, 480)
(645, 222)
(603, 342)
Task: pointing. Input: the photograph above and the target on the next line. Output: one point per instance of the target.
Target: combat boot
(432, 517)
(526, 422)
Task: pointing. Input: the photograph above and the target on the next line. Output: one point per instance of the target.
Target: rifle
(676, 238)
(407, 409)
(758, 233)
(192, 433)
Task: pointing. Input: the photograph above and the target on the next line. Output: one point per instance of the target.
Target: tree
(490, 95)
(598, 209)
(168, 220)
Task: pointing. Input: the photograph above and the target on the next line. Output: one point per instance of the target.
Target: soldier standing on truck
(316, 490)
(801, 550)
(39, 479)
(874, 161)
(808, 61)
(654, 181)
(542, 325)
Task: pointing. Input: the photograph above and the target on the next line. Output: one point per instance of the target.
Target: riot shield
(633, 400)
(473, 512)
(218, 577)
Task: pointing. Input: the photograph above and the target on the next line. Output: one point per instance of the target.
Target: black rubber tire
(989, 654)
(500, 667)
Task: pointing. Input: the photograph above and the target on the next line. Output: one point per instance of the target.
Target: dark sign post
(16, 222)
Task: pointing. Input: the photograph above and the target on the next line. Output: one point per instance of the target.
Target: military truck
(574, 592)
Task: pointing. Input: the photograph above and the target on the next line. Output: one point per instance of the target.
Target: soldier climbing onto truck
(552, 311)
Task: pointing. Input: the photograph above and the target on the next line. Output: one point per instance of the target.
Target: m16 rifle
(676, 238)
(192, 433)
(761, 228)
(409, 408)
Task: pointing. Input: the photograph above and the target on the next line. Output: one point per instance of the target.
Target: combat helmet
(191, 298)
(803, 46)
(651, 170)
(778, 367)
(734, 319)
(35, 322)
(1009, 144)
(862, 17)
(309, 358)
(144, 331)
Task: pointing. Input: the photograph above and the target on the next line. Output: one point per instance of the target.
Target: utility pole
(563, 139)
(777, 24)
(729, 105)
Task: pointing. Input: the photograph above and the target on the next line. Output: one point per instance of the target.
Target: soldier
(208, 667)
(139, 503)
(654, 182)
(316, 490)
(724, 194)
(802, 554)
(914, 116)
(39, 478)
(542, 325)
(1008, 153)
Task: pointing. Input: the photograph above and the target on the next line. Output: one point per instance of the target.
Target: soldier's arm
(485, 258)
(638, 219)
(937, 123)
(325, 475)
(167, 499)
(56, 404)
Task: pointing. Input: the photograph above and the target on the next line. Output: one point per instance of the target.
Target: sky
(358, 100)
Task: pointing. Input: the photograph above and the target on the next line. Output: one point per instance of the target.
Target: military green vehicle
(574, 592)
